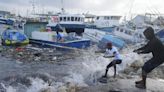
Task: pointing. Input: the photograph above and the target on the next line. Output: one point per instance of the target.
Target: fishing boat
(106, 23)
(128, 34)
(119, 43)
(13, 37)
(48, 37)
(6, 21)
(132, 31)
(102, 38)
(71, 24)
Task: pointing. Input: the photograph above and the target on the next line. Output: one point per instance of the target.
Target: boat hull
(80, 44)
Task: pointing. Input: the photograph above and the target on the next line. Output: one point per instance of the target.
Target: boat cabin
(69, 22)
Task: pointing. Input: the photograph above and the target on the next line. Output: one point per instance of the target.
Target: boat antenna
(62, 6)
(157, 14)
(131, 7)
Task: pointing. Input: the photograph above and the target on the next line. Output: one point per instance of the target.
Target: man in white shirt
(112, 51)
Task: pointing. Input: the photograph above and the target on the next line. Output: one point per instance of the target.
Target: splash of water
(37, 85)
(92, 66)
(85, 71)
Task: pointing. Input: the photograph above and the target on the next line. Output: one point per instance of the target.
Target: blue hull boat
(79, 44)
(49, 37)
(160, 34)
(110, 38)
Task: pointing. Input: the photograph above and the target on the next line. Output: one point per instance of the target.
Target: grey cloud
(83, 5)
(68, 4)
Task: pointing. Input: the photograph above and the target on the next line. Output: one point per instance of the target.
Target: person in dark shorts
(155, 47)
(112, 51)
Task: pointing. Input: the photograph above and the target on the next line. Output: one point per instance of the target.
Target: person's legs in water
(142, 84)
(147, 68)
(107, 68)
(114, 70)
(141, 81)
(113, 63)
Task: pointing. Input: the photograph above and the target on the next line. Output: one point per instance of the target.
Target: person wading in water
(155, 47)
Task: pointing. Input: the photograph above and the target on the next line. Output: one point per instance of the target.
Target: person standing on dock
(155, 47)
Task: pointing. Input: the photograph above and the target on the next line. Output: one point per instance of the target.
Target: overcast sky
(98, 7)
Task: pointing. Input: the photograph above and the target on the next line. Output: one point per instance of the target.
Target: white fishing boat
(132, 31)
(107, 23)
(129, 35)
(68, 22)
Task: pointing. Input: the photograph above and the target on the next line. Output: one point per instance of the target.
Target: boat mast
(33, 6)
(130, 10)
(62, 7)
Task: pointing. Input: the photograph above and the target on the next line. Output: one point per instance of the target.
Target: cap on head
(109, 44)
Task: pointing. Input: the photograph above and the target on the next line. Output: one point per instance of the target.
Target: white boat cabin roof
(71, 15)
(108, 17)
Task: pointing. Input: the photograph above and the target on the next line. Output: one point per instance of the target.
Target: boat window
(130, 33)
(79, 19)
(117, 29)
(126, 32)
(108, 18)
(115, 17)
(64, 19)
(68, 18)
(75, 18)
(72, 18)
(98, 18)
(121, 30)
(60, 18)
(140, 36)
(105, 18)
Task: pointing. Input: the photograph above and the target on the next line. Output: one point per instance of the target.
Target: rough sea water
(61, 76)
(71, 73)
